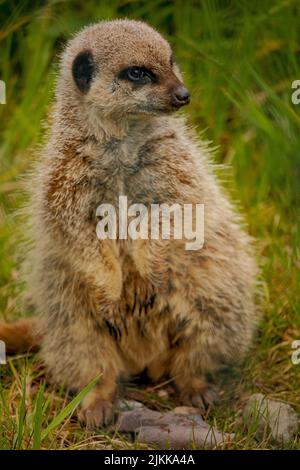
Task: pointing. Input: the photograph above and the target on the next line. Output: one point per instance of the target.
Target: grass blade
(38, 418)
(69, 408)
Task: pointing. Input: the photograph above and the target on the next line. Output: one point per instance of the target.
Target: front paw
(97, 414)
(144, 296)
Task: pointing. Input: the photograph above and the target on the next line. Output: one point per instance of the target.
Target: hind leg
(76, 357)
(208, 335)
(157, 369)
(78, 340)
(97, 409)
(190, 380)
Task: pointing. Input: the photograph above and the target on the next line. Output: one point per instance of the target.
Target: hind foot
(199, 394)
(97, 414)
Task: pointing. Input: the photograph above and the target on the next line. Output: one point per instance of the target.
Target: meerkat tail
(21, 335)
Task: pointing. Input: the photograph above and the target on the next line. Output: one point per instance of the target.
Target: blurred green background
(239, 59)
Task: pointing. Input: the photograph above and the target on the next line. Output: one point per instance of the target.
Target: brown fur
(118, 307)
(21, 336)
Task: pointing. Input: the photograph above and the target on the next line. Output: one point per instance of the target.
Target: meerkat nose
(180, 96)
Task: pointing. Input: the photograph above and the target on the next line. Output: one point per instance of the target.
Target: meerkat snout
(180, 97)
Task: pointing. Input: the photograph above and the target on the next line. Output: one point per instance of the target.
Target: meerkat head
(123, 68)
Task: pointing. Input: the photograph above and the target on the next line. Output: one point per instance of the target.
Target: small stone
(163, 394)
(276, 416)
(169, 429)
(186, 410)
(182, 437)
(128, 405)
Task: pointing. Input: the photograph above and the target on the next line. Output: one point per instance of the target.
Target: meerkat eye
(135, 74)
(139, 75)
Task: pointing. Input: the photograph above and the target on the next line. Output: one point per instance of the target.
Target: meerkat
(114, 308)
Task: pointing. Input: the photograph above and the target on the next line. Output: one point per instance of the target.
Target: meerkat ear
(83, 69)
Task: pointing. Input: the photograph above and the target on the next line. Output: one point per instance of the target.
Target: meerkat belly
(144, 343)
(143, 321)
(140, 324)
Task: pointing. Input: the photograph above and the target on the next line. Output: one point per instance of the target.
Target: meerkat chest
(123, 169)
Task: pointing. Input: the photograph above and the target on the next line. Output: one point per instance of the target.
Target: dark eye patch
(83, 70)
(137, 75)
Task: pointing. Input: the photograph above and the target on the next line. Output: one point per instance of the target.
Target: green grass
(239, 59)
